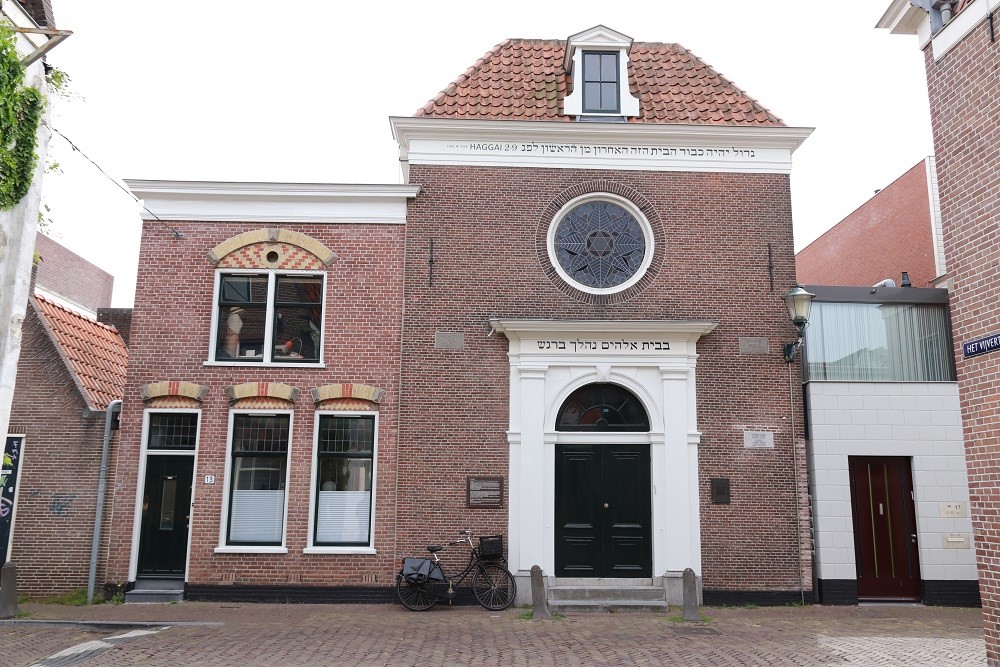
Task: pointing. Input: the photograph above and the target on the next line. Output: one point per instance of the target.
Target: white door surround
(655, 360)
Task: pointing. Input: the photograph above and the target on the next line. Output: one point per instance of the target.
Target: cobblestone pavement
(273, 635)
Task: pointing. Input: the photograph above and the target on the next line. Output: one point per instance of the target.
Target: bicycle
(421, 583)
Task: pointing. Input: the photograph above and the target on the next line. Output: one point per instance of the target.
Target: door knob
(605, 506)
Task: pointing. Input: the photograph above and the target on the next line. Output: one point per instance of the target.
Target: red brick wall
(170, 337)
(888, 234)
(712, 236)
(965, 116)
(57, 482)
(70, 276)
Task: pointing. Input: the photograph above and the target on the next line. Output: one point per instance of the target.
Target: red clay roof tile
(95, 352)
(524, 79)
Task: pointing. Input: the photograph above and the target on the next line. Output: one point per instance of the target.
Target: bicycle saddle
(434, 548)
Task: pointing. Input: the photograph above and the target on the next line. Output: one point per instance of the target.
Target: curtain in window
(861, 342)
(257, 493)
(344, 480)
(256, 516)
(343, 516)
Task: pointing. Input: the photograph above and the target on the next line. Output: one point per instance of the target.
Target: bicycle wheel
(493, 586)
(414, 597)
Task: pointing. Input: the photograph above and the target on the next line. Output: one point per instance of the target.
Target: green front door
(166, 508)
(603, 511)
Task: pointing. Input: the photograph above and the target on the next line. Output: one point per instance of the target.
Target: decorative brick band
(343, 404)
(347, 390)
(285, 392)
(172, 388)
(165, 402)
(272, 235)
(260, 403)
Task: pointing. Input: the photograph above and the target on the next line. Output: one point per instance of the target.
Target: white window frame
(144, 452)
(628, 106)
(618, 83)
(647, 232)
(225, 548)
(312, 548)
(268, 350)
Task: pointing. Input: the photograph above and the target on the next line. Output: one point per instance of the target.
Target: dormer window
(597, 61)
(600, 82)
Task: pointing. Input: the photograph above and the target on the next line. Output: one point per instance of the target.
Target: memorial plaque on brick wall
(758, 439)
(754, 345)
(449, 340)
(485, 492)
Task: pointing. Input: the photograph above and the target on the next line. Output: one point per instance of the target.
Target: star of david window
(599, 245)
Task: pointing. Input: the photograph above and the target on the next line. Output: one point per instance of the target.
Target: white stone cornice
(215, 201)
(520, 329)
(629, 146)
(902, 18)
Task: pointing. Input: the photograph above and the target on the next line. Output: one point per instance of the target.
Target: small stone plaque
(758, 439)
(449, 340)
(485, 492)
(754, 345)
(955, 541)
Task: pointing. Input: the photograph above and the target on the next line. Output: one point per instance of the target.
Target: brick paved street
(389, 635)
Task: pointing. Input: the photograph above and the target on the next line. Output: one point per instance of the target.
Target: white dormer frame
(598, 38)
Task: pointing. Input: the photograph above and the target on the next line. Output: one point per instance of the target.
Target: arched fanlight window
(602, 407)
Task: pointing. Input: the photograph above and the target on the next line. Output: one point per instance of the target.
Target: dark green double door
(603, 511)
(166, 509)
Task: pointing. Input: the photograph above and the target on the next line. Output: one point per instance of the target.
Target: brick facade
(888, 234)
(965, 117)
(68, 276)
(57, 483)
(170, 338)
(487, 224)
(420, 321)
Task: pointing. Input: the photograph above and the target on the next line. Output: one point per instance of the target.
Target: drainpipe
(114, 408)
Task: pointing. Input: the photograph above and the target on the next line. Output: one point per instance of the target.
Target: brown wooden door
(885, 528)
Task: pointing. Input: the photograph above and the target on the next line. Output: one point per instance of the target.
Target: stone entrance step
(156, 590)
(606, 595)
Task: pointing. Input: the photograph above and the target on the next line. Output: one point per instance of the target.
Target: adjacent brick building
(897, 230)
(66, 278)
(71, 368)
(962, 55)
(566, 329)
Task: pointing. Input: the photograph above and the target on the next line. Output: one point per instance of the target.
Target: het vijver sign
(974, 348)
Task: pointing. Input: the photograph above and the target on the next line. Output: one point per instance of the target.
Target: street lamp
(799, 304)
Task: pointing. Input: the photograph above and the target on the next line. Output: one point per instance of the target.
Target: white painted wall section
(920, 420)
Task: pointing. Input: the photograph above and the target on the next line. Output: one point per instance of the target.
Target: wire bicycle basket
(491, 547)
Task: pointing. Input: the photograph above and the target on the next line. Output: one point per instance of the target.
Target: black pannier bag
(421, 570)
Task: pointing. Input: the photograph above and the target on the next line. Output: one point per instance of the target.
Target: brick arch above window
(172, 391)
(597, 187)
(272, 248)
(240, 393)
(347, 390)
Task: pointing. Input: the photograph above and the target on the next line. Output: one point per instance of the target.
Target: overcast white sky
(301, 91)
